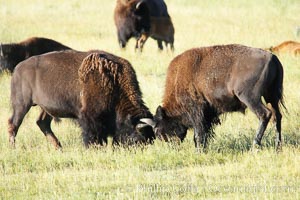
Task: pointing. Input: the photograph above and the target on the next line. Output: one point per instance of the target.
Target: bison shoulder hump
(96, 62)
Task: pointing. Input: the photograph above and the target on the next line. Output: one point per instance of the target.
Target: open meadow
(230, 169)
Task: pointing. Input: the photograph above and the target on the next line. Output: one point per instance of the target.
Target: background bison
(203, 83)
(13, 53)
(290, 47)
(98, 89)
(141, 19)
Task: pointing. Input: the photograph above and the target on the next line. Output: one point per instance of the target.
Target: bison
(203, 83)
(290, 47)
(13, 53)
(142, 19)
(98, 89)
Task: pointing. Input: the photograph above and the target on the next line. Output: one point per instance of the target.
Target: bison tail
(279, 82)
(274, 94)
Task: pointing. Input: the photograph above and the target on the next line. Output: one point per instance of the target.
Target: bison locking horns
(204, 83)
(142, 19)
(12, 54)
(96, 88)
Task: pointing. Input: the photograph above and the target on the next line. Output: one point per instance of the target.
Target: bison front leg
(91, 132)
(19, 112)
(160, 45)
(44, 123)
(141, 41)
(200, 139)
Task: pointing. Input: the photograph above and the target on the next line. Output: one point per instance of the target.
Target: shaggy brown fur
(204, 83)
(109, 86)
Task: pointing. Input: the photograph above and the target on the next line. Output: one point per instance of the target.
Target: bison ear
(160, 113)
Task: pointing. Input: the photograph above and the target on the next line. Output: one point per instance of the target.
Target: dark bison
(203, 83)
(96, 88)
(141, 19)
(13, 53)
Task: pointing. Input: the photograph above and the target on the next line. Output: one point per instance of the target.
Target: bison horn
(140, 126)
(148, 121)
(138, 4)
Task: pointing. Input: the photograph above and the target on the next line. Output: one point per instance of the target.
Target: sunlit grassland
(230, 169)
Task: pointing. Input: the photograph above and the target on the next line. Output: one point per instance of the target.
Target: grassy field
(229, 170)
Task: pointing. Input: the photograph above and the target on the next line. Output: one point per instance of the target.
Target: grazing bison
(96, 88)
(12, 54)
(142, 19)
(290, 47)
(204, 83)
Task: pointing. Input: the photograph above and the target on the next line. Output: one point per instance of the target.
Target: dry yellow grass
(229, 170)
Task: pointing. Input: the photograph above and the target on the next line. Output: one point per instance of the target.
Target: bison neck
(134, 110)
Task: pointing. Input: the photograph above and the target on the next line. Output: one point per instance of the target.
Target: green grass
(228, 170)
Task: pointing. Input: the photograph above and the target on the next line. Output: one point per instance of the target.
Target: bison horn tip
(138, 4)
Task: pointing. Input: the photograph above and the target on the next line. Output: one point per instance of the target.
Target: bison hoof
(257, 142)
(12, 141)
(278, 147)
(256, 147)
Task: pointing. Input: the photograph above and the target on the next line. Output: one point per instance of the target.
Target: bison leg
(160, 45)
(44, 122)
(263, 114)
(199, 138)
(91, 132)
(278, 117)
(172, 46)
(19, 112)
(140, 42)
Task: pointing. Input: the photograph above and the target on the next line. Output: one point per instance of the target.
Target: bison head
(10, 56)
(165, 127)
(129, 134)
(132, 18)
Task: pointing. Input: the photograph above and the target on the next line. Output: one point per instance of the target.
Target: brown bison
(142, 19)
(290, 47)
(203, 83)
(96, 88)
(13, 53)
